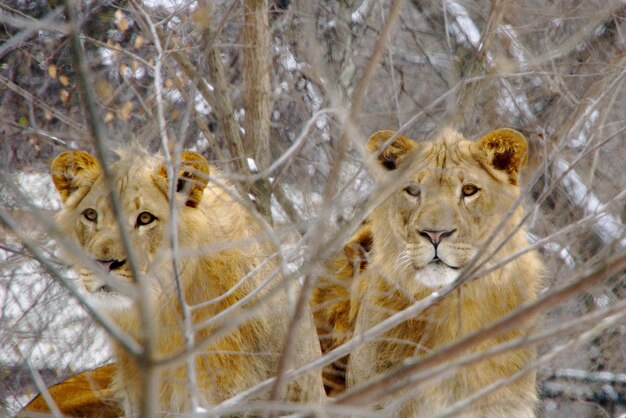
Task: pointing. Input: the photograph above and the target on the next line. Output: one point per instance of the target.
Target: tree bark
(256, 73)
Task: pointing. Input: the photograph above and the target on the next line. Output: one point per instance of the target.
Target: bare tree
(281, 96)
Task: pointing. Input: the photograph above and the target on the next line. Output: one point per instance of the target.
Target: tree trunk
(256, 74)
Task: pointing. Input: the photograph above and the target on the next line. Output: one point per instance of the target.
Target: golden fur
(331, 302)
(214, 257)
(86, 394)
(453, 194)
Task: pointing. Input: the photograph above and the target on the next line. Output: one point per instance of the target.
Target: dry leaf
(64, 80)
(109, 117)
(103, 90)
(121, 21)
(126, 110)
(65, 95)
(116, 49)
(139, 41)
(52, 71)
(124, 70)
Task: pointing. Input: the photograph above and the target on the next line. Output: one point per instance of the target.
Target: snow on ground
(39, 188)
(39, 320)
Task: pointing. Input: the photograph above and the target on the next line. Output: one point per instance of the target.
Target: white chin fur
(110, 301)
(436, 275)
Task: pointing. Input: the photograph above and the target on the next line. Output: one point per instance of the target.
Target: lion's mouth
(112, 264)
(104, 289)
(440, 263)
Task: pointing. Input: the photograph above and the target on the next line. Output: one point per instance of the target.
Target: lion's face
(452, 194)
(88, 217)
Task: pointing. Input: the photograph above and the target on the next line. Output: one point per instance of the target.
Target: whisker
(403, 260)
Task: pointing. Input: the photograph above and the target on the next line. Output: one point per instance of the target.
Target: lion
(334, 302)
(86, 394)
(451, 194)
(222, 257)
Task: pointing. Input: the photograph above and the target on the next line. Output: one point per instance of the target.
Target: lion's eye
(413, 190)
(145, 218)
(90, 214)
(469, 190)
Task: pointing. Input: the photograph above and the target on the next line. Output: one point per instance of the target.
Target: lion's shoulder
(334, 300)
(86, 394)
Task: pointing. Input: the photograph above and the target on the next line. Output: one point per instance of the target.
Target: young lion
(447, 203)
(222, 259)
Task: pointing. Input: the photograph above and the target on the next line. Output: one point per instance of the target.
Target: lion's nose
(436, 236)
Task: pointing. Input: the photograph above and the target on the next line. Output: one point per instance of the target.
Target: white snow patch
(557, 23)
(106, 56)
(591, 117)
(40, 189)
(602, 301)
(553, 247)
(516, 49)
(139, 73)
(173, 95)
(46, 325)
(252, 165)
(208, 85)
(239, 114)
(321, 123)
(562, 252)
(170, 5)
(126, 72)
(174, 23)
(281, 87)
(288, 61)
(467, 30)
(201, 105)
(359, 15)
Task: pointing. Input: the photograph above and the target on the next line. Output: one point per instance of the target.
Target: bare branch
(148, 401)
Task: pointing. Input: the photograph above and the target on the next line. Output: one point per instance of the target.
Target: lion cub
(223, 263)
(451, 194)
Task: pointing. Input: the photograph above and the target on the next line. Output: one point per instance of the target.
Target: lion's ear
(359, 246)
(192, 177)
(507, 150)
(73, 170)
(393, 154)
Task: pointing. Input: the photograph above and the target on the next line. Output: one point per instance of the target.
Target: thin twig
(34, 249)
(171, 169)
(40, 384)
(604, 323)
(148, 377)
